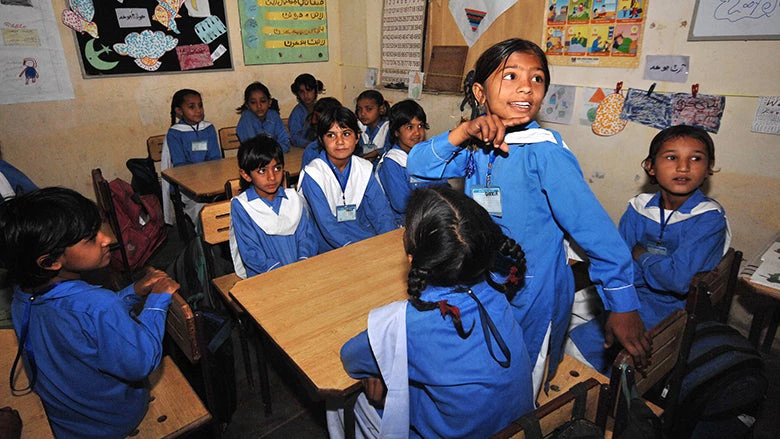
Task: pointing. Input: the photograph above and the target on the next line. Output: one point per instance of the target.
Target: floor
(296, 415)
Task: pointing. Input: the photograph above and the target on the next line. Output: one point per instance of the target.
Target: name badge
(346, 213)
(489, 198)
(200, 145)
(368, 147)
(656, 248)
(414, 180)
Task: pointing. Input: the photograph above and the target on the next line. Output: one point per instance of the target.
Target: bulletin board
(595, 33)
(136, 37)
(735, 20)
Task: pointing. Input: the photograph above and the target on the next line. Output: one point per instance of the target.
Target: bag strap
(716, 352)
(530, 424)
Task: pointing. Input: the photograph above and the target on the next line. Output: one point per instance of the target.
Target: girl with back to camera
(452, 357)
(674, 234)
(306, 88)
(532, 185)
(260, 115)
(371, 110)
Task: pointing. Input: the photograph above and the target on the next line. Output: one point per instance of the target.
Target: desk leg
(178, 208)
(762, 308)
(349, 415)
(771, 330)
(262, 366)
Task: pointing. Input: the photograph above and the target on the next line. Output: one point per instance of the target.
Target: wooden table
(767, 306)
(309, 309)
(34, 420)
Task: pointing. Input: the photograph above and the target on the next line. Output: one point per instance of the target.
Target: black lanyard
(488, 329)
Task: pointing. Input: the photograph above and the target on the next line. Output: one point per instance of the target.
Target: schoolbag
(723, 378)
(145, 180)
(141, 224)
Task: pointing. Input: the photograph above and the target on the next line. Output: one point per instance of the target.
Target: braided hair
(453, 242)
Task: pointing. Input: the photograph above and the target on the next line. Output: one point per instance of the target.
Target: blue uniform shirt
(182, 138)
(301, 132)
(249, 126)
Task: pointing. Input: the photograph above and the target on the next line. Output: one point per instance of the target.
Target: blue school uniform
(326, 189)
(269, 234)
(18, 183)
(543, 195)
(91, 355)
(249, 126)
(391, 172)
(374, 138)
(694, 239)
(457, 386)
(301, 131)
(311, 152)
(189, 144)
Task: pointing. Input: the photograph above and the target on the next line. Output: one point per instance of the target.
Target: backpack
(723, 378)
(141, 224)
(145, 180)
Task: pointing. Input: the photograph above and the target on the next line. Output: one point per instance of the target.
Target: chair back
(556, 412)
(154, 145)
(215, 221)
(180, 325)
(105, 204)
(232, 188)
(228, 140)
(714, 301)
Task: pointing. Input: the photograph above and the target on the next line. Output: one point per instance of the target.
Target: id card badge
(656, 248)
(414, 181)
(489, 198)
(368, 147)
(346, 213)
(200, 145)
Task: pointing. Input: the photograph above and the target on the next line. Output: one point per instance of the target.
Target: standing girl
(532, 185)
(190, 139)
(305, 88)
(462, 371)
(269, 225)
(371, 111)
(347, 203)
(260, 115)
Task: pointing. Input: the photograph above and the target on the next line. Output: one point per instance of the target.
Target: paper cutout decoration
(607, 121)
(194, 56)
(79, 17)
(703, 111)
(558, 104)
(198, 8)
(93, 56)
(146, 48)
(648, 108)
(166, 13)
(474, 17)
(210, 29)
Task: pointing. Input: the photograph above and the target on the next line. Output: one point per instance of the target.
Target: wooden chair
(154, 146)
(228, 140)
(106, 205)
(556, 412)
(215, 226)
(714, 301)
(232, 188)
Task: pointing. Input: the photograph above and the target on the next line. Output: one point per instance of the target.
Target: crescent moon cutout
(93, 57)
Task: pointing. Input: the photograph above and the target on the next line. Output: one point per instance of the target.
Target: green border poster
(283, 31)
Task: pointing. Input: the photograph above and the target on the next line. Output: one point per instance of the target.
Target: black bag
(724, 378)
(638, 421)
(578, 427)
(145, 180)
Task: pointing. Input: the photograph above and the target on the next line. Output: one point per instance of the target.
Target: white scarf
(379, 139)
(322, 174)
(532, 135)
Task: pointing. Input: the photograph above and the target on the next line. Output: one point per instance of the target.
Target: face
(515, 90)
(191, 110)
(88, 254)
(680, 166)
(259, 104)
(368, 112)
(307, 96)
(266, 180)
(411, 134)
(339, 144)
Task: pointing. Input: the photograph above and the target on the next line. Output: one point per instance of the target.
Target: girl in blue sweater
(260, 115)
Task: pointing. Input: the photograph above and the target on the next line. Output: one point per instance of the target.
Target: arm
(244, 128)
(214, 152)
(331, 230)
(298, 127)
(395, 182)
(306, 236)
(280, 132)
(18, 181)
(255, 259)
(358, 359)
(378, 209)
(431, 159)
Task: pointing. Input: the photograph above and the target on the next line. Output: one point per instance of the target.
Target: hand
(488, 128)
(638, 251)
(375, 391)
(630, 332)
(151, 276)
(165, 285)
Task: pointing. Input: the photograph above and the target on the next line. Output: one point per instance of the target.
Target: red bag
(141, 224)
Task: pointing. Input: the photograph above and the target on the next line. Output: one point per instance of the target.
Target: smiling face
(339, 144)
(266, 180)
(258, 103)
(681, 166)
(368, 112)
(514, 90)
(410, 134)
(191, 110)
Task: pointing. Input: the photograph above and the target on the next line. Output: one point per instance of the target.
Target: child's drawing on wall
(30, 70)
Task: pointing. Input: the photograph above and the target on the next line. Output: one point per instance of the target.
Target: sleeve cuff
(620, 299)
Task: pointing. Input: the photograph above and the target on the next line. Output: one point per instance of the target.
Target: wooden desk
(768, 301)
(309, 309)
(34, 420)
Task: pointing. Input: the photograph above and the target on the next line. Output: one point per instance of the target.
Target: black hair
(342, 116)
(256, 153)
(453, 241)
(178, 99)
(402, 113)
(321, 105)
(675, 132)
(375, 96)
(43, 222)
(253, 87)
(309, 82)
(493, 58)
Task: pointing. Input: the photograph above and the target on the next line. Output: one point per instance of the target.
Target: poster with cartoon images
(283, 31)
(135, 37)
(594, 33)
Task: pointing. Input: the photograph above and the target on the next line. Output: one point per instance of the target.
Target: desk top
(35, 424)
(763, 272)
(207, 179)
(312, 307)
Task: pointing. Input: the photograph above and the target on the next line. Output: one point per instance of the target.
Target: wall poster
(133, 37)
(403, 25)
(594, 33)
(283, 31)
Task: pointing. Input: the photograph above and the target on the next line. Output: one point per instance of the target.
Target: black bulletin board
(143, 30)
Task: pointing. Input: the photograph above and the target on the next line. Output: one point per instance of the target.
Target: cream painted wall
(59, 142)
